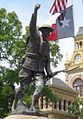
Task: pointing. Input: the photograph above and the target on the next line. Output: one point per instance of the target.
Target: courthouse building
(69, 90)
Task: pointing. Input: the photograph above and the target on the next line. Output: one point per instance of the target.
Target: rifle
(53, 74)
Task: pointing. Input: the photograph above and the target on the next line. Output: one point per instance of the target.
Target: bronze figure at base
(36, 63)
(35, 67)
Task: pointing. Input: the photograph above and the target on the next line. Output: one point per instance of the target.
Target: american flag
(58, 6)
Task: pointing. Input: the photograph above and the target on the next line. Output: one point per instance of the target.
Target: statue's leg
(25, 79)
(39, 84)
(18, 96)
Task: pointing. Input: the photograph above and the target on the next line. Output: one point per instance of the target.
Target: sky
(24, 9)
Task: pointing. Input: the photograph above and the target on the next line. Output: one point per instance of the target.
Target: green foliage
(28, 100)
(47, 92)
(11, 50)
(55, 53)
(7, 90)
(28, 94)
(11, 76)
(11, 43)
(76, 108)
(6, 96)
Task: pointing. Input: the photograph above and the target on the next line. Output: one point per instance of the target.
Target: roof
(80, 31)
(58, 83)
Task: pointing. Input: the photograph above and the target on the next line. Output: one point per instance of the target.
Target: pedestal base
(24, 117)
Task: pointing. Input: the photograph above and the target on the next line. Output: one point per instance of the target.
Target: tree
(55, 53)
(11, 44)
(76, 108)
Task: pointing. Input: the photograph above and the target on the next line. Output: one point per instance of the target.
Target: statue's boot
(34, 102)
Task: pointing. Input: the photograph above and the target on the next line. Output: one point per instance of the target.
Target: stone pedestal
(24, 117)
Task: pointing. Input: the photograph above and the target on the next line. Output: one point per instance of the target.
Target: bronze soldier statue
(37, 62)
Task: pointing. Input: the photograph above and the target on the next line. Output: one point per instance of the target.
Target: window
(80, 44)
(77, 46)
(78, 85)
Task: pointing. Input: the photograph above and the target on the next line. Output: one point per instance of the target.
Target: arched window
(64, 105)
(80, 44)
(77, 46)
(78, 85)
(59, 104)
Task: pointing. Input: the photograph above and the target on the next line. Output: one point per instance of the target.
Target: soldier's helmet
(45, 26)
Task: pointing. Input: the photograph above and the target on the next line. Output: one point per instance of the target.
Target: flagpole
(72, 3)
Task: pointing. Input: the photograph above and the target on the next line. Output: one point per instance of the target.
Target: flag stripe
(58, 6)
(55, 9)
(62, 5)
(52, 7)
(64, 2)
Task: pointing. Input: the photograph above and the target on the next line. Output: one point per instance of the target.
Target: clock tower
(74, 76)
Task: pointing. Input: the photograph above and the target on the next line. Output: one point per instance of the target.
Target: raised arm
(34, 20)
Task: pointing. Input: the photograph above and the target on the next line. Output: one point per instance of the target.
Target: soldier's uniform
(37, 60)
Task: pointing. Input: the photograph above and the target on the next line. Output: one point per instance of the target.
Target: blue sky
(24, 9)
